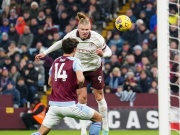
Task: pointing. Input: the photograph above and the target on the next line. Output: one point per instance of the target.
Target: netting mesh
(174, 58)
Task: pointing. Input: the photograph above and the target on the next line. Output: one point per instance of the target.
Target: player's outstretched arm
(107, 52)
(52, 48)
(40, 56)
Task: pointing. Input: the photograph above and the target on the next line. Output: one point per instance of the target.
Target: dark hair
(69, 44)
(20, 78)
(126, 43)
(23, 44)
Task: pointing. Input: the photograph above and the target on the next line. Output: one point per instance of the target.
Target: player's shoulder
(96, 35)
(74, 59)
(65, 59)
(71, 34)
(71, 58)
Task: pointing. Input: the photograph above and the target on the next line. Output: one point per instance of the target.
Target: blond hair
(82, 18)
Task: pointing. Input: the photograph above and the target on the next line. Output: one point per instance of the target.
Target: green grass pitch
(77, 132)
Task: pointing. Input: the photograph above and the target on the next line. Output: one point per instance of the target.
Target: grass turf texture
(77, 132)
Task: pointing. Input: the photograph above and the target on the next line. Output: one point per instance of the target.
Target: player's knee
(82, 99)
(97, 117)
(82, 95)
(100, 118)
(99, 96)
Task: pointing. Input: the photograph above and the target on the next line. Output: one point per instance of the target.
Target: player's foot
(105, 128)
(36, 133)
(84, 133)
(104, 132)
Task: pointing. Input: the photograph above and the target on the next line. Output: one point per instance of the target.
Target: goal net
(168, 30)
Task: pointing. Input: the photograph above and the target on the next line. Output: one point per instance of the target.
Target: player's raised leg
(81, 111)
(85, 112)
(102, 106)
(51, 119)
(97, 80)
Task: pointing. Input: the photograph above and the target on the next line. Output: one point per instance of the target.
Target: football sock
(102, 106)
(95, 128)
(83, 124)
(83, 127)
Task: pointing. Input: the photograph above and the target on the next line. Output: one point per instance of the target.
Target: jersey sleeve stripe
(104, 48)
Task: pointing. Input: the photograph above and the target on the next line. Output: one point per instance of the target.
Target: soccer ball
(123, 23)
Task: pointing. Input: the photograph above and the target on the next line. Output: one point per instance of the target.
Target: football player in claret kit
(65, 77)
(90, 49)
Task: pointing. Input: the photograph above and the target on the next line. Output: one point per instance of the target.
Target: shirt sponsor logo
(85, 51)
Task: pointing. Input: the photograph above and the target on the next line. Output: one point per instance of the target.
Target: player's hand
(40, 56)
(99, 52)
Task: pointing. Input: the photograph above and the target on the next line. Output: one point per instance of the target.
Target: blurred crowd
(133, 65)
(28, 27)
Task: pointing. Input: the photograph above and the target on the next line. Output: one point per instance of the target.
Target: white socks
(83, 127)
(83, 124)
(102, 106)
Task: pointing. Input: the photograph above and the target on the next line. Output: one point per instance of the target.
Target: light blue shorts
(56, 113)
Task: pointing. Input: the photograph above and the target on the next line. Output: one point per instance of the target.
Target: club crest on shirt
(91, 44)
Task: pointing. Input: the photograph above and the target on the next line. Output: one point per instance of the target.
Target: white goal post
(163, 66)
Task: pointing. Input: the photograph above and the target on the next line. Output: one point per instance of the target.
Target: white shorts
(56, 113)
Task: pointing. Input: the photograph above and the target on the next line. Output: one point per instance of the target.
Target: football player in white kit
(90, 49)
